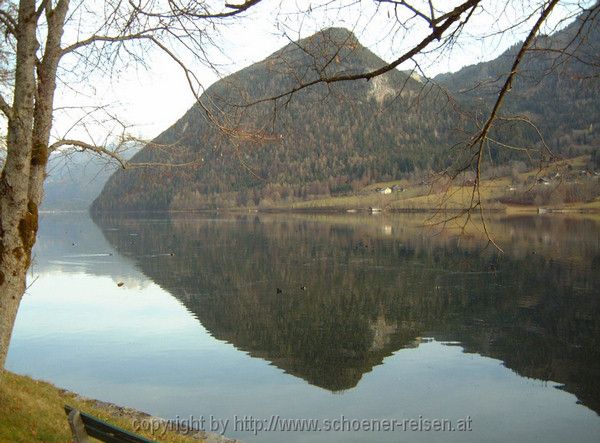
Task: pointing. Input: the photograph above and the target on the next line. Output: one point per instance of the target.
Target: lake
(347, 320)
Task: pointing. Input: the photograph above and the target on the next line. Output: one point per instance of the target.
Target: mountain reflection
(327, 298)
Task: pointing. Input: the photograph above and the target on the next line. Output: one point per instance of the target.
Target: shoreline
(579, 208)
(32, 410)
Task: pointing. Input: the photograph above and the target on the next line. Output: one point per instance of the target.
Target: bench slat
(103, 431)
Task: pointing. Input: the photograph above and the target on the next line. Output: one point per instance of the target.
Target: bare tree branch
(113, 154)
(176, 10)
(449, 19)
(146, 33)
(89, 147)
(46, 5)
(8, 20)
(5, 108)
(480, 138)
(479, 141)
(414, 10)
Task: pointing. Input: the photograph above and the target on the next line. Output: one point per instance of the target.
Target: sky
(154, 98)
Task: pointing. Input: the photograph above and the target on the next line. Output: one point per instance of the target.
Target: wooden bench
(84, 426)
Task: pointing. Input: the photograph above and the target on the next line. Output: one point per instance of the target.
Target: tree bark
(22, 178)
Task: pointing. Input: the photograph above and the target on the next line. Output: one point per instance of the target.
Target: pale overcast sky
(154, 99)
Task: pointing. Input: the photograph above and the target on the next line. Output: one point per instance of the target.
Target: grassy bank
(557, 187)
(32, 411)
(421, 199)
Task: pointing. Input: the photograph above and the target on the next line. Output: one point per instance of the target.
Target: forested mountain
(557, 88)
(334, 138)
(325, 139)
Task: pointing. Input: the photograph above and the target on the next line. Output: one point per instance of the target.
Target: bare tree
(35, 58)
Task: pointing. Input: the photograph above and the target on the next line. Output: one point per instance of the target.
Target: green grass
(32, 411)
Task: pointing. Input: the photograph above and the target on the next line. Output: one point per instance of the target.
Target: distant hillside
(75, 180)
(557, 87)
(333, 139)
(326, 139)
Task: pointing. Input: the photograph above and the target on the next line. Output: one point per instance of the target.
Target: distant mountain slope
(335, 138)
(326, 139)
(75, 180)
(557, 87)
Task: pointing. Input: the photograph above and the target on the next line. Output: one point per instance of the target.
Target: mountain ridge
(332, 139)
(354, 141)
(554, 86)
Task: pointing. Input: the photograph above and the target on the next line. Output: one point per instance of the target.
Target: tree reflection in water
(375, 285)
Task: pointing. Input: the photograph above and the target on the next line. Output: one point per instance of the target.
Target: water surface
(322, 317)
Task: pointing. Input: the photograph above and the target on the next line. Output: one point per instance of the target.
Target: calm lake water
(322, 317)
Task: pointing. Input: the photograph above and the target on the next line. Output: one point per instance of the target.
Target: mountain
(75, 179)
(557, 88)
(325, 139)
(332, 139)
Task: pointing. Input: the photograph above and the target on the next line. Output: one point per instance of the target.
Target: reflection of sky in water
(138, 346)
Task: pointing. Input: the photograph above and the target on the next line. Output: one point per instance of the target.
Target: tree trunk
(22, 178)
